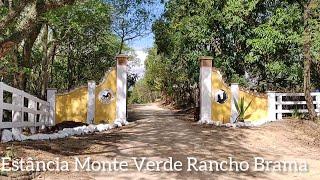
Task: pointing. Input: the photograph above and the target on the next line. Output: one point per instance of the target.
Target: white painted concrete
(234, 96)
(91, 102)
(271, 105)
(318, 105)
(32, 117)
(17, 115)
(66, 132)
(205, 95)
(121, 115)
(279, 107)
(44, 118)
(51, 98)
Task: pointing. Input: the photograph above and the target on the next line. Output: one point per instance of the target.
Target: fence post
(44, 118)
(279, 109)
(1, 101)
(271, 105)
(32, 117)
(121, 94)
(318, 103)
(51, 99)
(17, 115)
(234, 96)
(91, 101)
(205, 90)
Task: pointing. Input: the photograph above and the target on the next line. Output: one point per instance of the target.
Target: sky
(142, 44)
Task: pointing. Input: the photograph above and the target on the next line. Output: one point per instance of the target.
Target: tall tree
(79, 34)
(131, 19)
(255, 43)
(86, 43)
(310, 12)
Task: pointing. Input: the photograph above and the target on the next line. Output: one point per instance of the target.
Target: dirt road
(158, 134)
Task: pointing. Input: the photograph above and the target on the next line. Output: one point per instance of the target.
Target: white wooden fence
(285, 104)
(24, 110)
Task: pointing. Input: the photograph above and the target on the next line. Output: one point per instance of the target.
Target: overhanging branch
(17, 36)
(13, 14)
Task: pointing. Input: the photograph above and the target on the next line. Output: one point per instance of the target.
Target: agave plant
(242, 109)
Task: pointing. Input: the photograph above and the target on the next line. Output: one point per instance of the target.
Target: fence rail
(288, 103)
(24, 110)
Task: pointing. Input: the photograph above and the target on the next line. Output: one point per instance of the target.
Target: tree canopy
(256, 43)
(64, 43)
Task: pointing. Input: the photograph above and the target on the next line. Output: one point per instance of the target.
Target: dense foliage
(256, 43)
(65, 43)
(142, 93)
(87, 46)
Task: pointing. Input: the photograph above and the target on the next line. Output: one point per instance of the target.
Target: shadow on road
(155, 133)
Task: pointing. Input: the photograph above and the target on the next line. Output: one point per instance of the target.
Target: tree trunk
(52, 57)
(44, 71)
(70, 67)
(16, 66)
(307, 64)
(26, 57)
(121, 45)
